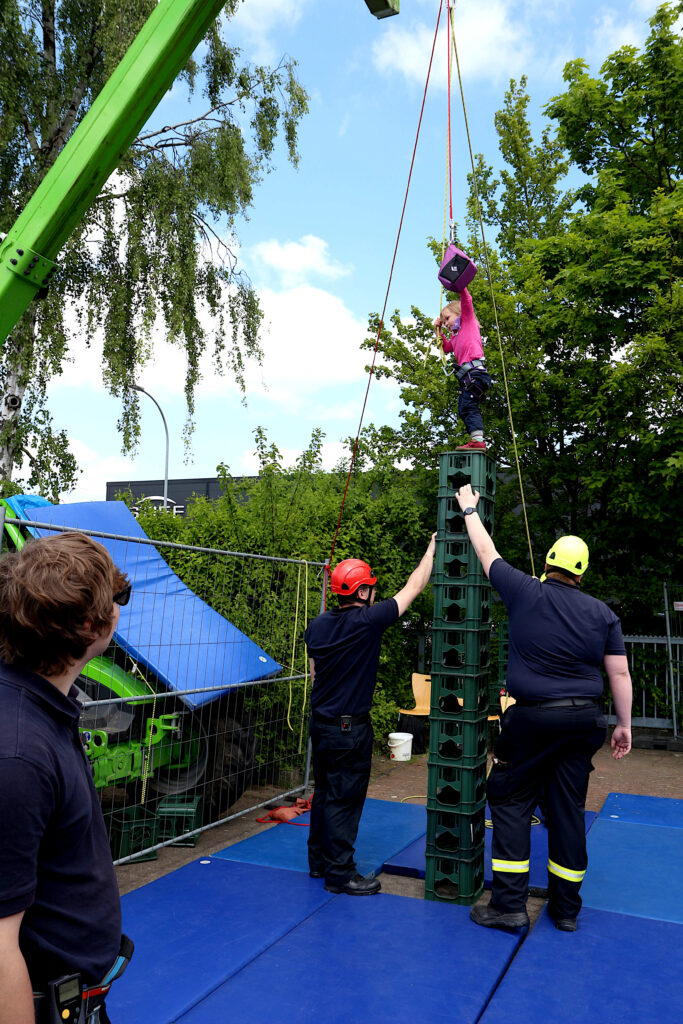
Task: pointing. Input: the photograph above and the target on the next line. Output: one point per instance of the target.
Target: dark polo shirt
(55, 861)
(345, 644)
(559, 636)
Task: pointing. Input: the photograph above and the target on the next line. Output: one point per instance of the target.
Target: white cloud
(331, 452)
(96, 471)
(259, 20)
(295, 262)
(313, 341)
(491, 44)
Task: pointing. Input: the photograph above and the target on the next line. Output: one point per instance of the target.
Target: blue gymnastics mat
(614, 969)
(197, 926)
(635, 870)
(411, 860)
(643, 810)
(385, 828)
(385, 959)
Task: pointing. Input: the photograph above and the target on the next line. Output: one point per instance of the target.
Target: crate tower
(456, 787)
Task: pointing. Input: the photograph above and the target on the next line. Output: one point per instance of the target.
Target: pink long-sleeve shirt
(466, 344)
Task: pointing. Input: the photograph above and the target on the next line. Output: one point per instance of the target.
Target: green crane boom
(156, 55)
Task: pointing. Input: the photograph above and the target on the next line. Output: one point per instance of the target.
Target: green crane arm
(154, 58)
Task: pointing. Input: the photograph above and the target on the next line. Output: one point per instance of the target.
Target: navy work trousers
(542, 749)
(341, 767)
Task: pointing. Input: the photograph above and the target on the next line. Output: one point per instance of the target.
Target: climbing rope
(303, 702)
(386, 296)
(490, 280)
(452, 52)
(291, 666)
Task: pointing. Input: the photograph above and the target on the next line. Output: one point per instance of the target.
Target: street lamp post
(136, 387)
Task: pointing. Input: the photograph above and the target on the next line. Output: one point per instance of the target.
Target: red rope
(328, 568)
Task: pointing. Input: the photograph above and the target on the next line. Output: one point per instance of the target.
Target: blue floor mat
(613, 970)
(385, 828)
(635, 869)
(411, 860)
(381, 959)
(197, 926)
(643, 810)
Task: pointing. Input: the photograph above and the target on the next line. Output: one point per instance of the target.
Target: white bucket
(400, 745)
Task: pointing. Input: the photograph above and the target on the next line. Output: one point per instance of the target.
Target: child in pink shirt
(462, 337)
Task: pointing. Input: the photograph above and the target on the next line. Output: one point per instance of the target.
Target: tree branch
(184, 124)
(49, 57)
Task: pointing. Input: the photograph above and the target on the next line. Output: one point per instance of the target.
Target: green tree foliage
(589, 298)
(155, 247)
(292, 513)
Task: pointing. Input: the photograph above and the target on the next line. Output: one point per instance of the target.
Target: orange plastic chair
(422, 690)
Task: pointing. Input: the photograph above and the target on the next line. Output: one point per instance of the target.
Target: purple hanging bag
(457, 269)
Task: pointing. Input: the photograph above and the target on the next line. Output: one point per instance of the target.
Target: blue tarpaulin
(164, 627)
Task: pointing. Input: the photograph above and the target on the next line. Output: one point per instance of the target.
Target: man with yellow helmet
(559, 639)
(344, 647)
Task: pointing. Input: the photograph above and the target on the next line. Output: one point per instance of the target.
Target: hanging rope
(386, 296)
(493, 298)
(303, 702)
(291, 666)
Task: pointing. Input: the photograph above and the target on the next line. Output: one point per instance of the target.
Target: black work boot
(563, 924)
(489, 917)
(357, 885)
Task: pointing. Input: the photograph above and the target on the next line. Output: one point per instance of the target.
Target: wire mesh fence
(198, 711)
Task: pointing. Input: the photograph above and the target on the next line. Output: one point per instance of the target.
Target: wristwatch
(468, 511)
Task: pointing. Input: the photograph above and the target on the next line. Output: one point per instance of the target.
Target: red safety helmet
(351, 574)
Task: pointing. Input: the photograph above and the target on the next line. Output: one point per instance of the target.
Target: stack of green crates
(461, 680)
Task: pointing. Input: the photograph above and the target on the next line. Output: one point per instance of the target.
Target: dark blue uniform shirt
(55, 861)
(558, 636)
(345, 644)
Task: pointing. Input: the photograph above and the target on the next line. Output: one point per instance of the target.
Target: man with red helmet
(344, 646)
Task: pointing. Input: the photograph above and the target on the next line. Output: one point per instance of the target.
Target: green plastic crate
(454, 834)
(178, 814)
(461, 603)
(474, 468)
(456, 561)
(450, 521)
(133, 829)
(453, 693)
(450, 788)
(454, 879)
(456, 742)
(455, 648)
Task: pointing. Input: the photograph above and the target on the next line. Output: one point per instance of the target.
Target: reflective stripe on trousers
(513, 866)
(567, 873)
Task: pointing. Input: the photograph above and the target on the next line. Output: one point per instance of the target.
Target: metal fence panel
(167, 767)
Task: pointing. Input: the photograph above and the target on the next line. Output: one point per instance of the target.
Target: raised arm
(417, 580)
(616, 667)
(484, 547)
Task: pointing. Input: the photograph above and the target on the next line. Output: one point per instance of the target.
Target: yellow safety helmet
(570, 553)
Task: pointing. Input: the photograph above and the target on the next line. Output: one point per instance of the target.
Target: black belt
(474, 364)
(341, 720)
(559, 702)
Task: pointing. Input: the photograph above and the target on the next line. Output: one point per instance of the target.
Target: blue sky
(320, 238)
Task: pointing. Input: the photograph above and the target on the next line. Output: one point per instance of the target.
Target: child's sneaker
(472, 446)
